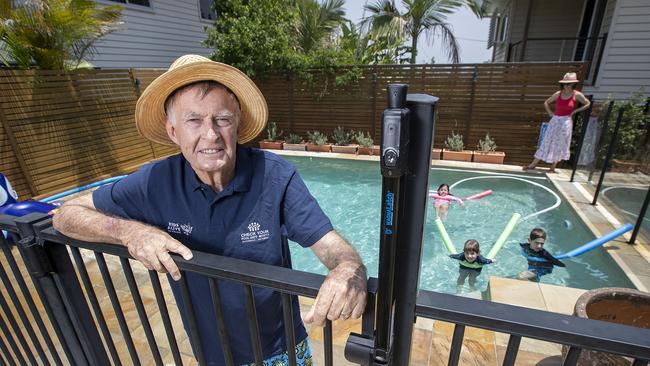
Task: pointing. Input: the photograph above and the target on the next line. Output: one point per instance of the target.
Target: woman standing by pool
(557, 139)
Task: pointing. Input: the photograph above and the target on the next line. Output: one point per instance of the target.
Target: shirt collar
(241, 182)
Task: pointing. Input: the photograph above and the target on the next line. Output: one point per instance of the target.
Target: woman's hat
(150, 117)
(569, 78)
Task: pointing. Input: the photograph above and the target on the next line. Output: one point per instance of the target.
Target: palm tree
(54, 34)
(421, 16)
(318, 22)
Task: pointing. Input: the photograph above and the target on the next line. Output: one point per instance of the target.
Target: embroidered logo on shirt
(254, 233)
(177, 228)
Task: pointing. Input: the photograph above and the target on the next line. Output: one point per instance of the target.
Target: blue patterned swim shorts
(303, 356)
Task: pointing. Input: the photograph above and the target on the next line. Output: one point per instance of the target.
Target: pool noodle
(504, 236)
(596, 242)
(479, 195)
(445, 237)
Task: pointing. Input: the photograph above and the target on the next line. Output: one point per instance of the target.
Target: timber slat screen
(62, 129)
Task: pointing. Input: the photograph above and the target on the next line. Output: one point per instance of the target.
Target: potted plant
(365, 143)
(436, 154)
(342, 141)
(294, 142)
(273, 140)
(487, 152)
(317, 142)
(454, 148)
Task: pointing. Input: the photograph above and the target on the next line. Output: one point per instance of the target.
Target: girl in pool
(471, 264)
(441, 201)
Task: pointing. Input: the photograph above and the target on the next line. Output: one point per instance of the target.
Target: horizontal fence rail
(59, 130)
(576, 333)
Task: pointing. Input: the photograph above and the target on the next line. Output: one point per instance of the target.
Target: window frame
(148, 9)
(201, 18)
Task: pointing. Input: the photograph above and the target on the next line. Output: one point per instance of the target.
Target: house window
(503, 29)
(207, 11)
(134, 2)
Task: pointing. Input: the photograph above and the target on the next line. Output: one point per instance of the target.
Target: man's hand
(343, 293)
(151, 246)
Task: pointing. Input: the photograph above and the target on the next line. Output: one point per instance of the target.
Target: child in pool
(441, 201)
(471, 264)
(540, 262)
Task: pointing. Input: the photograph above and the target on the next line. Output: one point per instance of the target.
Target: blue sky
(470, 31)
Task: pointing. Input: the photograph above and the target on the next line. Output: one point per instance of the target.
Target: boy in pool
(471, 264)
(540, 262)
(441, 201)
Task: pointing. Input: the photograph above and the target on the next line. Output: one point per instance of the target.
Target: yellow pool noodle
(445, 237)
(504, 236)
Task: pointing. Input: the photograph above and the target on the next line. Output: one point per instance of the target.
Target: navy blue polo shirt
(265, 200)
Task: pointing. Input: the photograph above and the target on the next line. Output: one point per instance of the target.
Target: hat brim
(150, 117)
(569, 81)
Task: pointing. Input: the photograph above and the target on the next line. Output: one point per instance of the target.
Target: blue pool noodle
(588, 246)
(82, 188)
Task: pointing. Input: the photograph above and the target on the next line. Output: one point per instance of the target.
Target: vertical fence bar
(142, 313)
(456, 344)
(581, 140)
(117, 308)
(10, 338)
(164, 314)
(30, 302)
(6, 354)
(23, 318)
(512, 350)
(99, 315)
(638, 362)
(610, 152)
(287, 312)
(572, 355)
(195, 335)
(221, 321)
(327, 341)
(253, 325)
(639, 220)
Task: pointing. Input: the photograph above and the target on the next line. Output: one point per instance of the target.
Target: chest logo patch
(254, 233)
(176, 228)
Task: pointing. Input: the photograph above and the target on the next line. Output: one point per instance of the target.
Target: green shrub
(272, 132)
(293, 139)
(454, 142)
(317, 137)
(364, 140)
(487, 145)
(342, 137)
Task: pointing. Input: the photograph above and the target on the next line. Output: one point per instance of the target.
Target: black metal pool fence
(52, 260)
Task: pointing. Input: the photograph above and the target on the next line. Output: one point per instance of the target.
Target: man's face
(205, 129)
(537, 244)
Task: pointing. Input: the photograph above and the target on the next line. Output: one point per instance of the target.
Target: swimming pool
(349, 191)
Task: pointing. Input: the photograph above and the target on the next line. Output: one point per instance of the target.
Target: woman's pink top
(564, 107)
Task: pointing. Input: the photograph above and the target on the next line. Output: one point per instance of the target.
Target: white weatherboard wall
(625, 66)
(153, 37)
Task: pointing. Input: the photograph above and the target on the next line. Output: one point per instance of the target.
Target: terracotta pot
(319, 148)
(465, 155)
(365, 150)
(436, 154)
(376, 150)
(496, 157)
(295, 147)
(273, 145)
(615, 305)
(345, 149)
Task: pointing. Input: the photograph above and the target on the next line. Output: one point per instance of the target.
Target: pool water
(349, 193)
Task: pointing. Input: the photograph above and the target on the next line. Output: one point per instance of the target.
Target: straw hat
(570, 78)
(150, 117)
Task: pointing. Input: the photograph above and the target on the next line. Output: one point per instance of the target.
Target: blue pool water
(349, 192)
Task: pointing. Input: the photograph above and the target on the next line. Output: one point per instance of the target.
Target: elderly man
(219, 197)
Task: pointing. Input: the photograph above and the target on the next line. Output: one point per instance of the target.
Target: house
(154, 33)
(612, 35)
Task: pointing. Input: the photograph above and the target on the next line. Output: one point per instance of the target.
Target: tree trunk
(414, 48)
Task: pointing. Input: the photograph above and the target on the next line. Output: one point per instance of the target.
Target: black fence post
(583, 132)
(610, 152)
(639, 220)
(58, 286)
